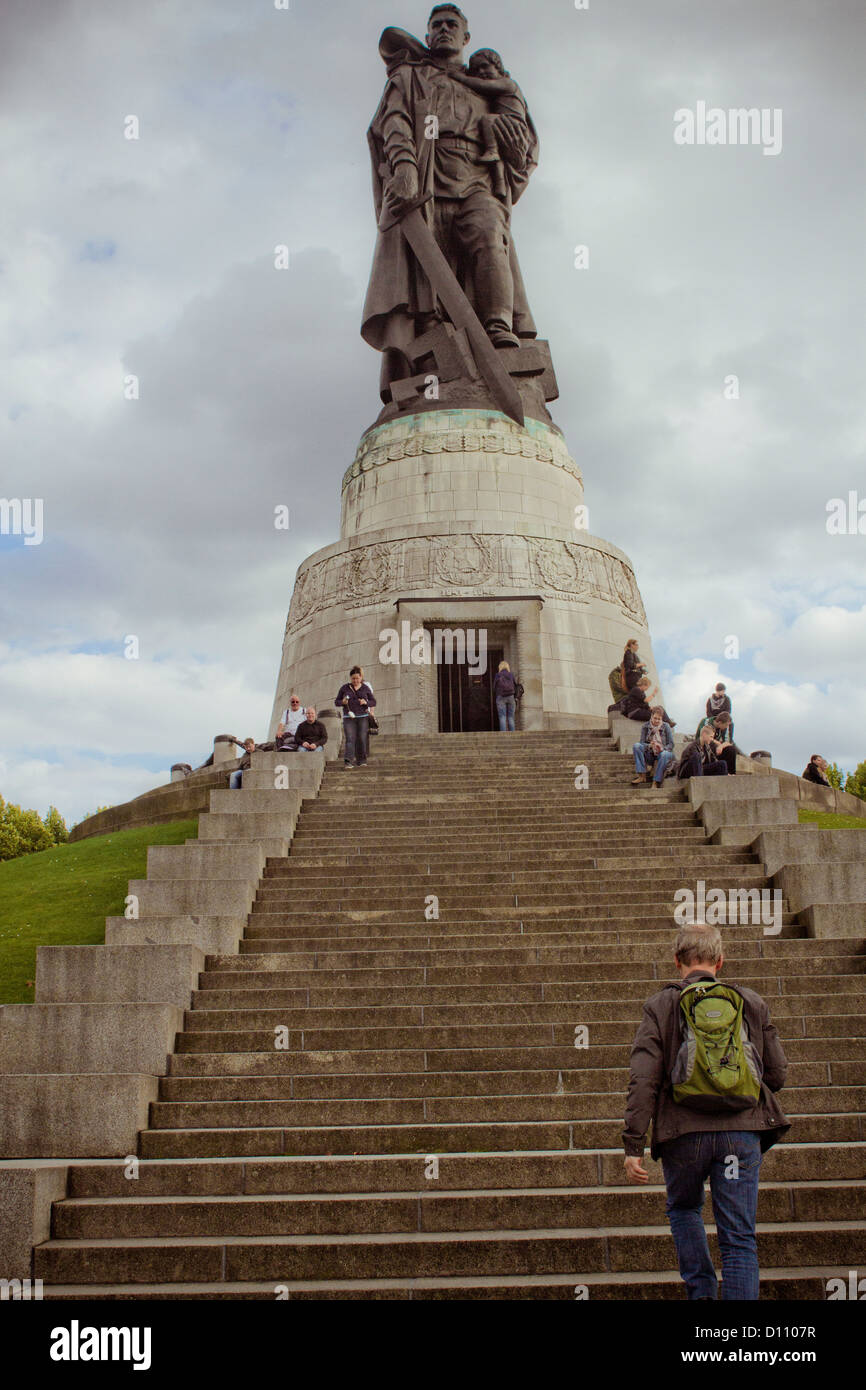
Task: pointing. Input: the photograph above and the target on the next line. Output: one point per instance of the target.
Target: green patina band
(459, 431)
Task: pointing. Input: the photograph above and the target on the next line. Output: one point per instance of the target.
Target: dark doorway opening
(466, 703)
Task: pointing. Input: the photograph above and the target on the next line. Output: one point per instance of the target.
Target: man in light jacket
(727, 1146)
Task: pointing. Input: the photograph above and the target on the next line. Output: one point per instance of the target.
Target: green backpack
(716, 1067)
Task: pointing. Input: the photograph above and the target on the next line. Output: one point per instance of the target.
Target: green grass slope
(831, 820)
(62, 896)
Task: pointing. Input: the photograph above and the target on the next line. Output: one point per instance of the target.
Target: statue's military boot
(500, 334)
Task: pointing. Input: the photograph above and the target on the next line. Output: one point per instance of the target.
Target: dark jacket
(814, 774)
(725, 707)
(244, 763)
(653, 1053)
(696, 755)
(503, 684)
(355, 697)
(311, 733)
(632, 668)
(632, 703)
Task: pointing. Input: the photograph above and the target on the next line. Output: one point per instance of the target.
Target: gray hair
(698, 945)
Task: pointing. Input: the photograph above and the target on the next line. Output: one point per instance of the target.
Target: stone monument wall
(463, 519)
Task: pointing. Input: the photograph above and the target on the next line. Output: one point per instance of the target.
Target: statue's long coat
(398, 289)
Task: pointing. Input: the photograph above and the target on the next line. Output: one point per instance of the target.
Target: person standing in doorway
(504, 688)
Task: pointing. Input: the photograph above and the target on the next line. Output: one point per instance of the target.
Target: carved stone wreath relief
(466, 565)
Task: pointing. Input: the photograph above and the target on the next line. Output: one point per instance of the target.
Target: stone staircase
(371, 1100)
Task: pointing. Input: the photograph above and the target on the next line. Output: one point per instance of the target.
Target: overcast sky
(155, 258)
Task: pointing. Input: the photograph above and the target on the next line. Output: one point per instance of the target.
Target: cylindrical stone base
(464, 524)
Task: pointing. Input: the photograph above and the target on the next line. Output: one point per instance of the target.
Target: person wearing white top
(292, 718)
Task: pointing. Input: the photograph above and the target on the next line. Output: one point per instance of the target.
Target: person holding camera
(355, 700)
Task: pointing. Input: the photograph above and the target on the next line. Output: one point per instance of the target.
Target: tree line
(26, 832)
(853, 782)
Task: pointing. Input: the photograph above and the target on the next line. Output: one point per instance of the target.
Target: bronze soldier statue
(431, 136)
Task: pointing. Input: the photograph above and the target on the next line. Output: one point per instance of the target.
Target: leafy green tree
(25, 832)
(35, 835)
(56, 826)
(855, 782)
(10, 840)
(835, 776)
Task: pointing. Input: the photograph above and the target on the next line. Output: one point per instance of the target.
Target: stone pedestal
(463, 520)
(225, 750)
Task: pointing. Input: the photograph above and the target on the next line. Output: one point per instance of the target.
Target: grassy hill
(831, 820)
(62, 896)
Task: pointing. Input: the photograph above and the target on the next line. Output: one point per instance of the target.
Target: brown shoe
(636, 781)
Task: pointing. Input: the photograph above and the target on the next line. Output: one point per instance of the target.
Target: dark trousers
(729, 757)
(357, 735)
(693, 767)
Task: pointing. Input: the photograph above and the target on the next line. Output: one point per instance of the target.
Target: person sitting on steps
(816, 771)
(311, 735)
(654, 747)
(702, 757)
(719, 702)
(723, 732)
(249, 745)
(635, 704)
(285, 738)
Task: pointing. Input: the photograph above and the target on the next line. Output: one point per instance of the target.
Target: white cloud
(76, 785)
(828, 641)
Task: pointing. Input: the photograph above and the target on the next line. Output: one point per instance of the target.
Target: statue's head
(486, 63)
(447, 30)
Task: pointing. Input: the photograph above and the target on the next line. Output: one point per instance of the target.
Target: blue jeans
(236, 779)
(687, 1162)
(301, 749)
(643, 755)
(356, 732)
(505, 707)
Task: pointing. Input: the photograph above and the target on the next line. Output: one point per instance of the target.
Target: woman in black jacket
(632, 666)
(635, 705)
(815, 770)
